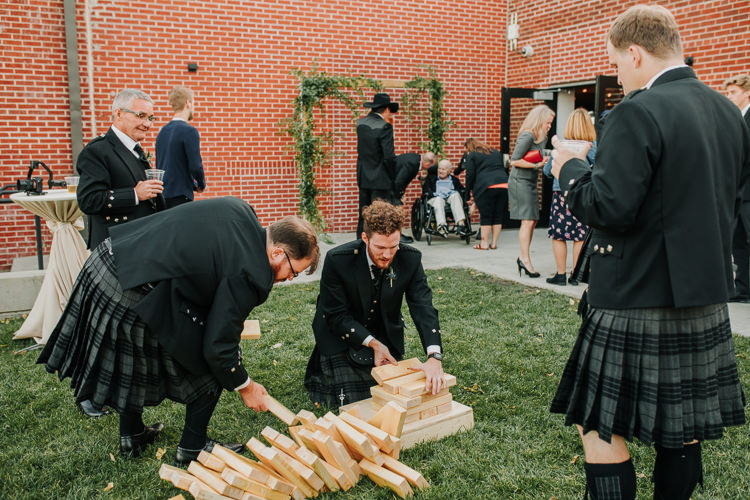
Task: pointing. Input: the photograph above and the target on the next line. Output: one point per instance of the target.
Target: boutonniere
(391, 275)
(148, 156)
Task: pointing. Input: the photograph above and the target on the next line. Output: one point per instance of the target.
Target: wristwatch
(435, 355)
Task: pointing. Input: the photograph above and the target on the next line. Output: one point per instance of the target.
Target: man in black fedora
(376, 160)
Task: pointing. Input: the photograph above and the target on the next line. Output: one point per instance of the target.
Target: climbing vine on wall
(313, 148)
(413, 102)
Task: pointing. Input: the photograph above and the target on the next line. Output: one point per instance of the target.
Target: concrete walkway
(502, 263)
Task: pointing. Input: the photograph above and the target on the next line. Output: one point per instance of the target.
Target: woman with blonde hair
(526, 160)
(563, 226)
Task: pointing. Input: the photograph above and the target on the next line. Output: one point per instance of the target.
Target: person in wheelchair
(442, 187)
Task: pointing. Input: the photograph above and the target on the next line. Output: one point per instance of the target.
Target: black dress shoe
(406, 239)
(132, 446)
(740, 297)
(88, 409)
(185, 456)
(557, 279)
(573, 281)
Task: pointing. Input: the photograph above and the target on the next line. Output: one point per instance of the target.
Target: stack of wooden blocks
(326, 454)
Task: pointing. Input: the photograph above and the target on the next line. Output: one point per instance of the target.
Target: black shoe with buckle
(185, 456)
(132, 446)
(88, 409)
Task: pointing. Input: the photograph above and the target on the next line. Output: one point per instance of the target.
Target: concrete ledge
(18, 291)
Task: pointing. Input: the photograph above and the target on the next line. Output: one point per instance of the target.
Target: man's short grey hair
(428, 157)
(126, 97)
(445, 164)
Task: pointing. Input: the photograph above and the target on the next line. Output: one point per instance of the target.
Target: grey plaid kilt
(327, 377)
(110, 355)
(666, 376)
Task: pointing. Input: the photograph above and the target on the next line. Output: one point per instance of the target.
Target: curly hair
(382, 218)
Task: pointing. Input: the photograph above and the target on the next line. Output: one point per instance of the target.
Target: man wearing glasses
(113, 188)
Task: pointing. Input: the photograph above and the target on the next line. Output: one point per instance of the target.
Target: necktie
(141, 154)
(377, 273)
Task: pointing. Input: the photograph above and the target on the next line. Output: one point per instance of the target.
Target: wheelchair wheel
(417, 219)
(469, 233)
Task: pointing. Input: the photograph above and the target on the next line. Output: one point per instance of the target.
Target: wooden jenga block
(379, 436)
(249, 496)
(445, 408)
(390, 418)
(306, 418)
(393, 384)
(431, 402)
(282, 412)
(383, 477)
(354, 412)
(302, 471)
(316, 464)
(177, 497)
(335, 455)
(387, 372)
(396, 448)
(241, 464)
(341, 478)
(415, 478)
(254, 488)
(200, 494)
(214, 480)
(353, 438)
(280, 441)
(251, 330)
(378, 393)
(271, 458)
(416, 388)
(326, 426)
(210, 461)
(180, 478)
(304, 438)
(277, 483)
(429, 412)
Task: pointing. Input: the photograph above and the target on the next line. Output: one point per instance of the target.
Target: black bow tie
(141, 154)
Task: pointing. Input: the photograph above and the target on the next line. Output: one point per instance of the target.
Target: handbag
(533, 156)
(363, 356)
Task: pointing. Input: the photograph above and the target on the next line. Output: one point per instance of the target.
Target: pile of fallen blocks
(327, 453)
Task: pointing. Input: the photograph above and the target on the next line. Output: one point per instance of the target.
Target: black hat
(382, 100)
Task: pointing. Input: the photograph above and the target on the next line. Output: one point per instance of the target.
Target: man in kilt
(358, 322)
(654, 358)
(157, 312)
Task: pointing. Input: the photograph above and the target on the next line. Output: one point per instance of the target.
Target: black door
(608, 94)
(543, 96)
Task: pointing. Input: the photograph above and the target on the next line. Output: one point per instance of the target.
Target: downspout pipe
(74, 81)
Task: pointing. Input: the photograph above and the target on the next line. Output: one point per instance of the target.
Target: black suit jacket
(662, 196)
(345, 296)
(206, 280)
(484, 170)
(746, 189)
(108, 174)
(376, 161)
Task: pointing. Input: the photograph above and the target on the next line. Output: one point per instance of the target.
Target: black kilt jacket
(376, 161)
(108, 175)
(662, 196)
(346, 294)
(208, 266)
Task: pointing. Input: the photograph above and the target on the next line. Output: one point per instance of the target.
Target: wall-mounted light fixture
(527, 51)
(512, 35)
(192, 67)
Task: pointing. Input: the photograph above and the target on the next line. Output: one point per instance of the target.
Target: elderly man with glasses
(113, 188)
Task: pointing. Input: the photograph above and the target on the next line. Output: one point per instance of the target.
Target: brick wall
(243, 87)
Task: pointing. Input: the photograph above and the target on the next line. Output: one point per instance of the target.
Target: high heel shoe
(528, 273)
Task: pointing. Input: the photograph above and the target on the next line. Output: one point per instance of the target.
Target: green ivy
(438, 125)
(313, 149)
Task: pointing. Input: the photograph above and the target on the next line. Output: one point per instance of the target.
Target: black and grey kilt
(666, 376)
(328, 377)
(110, 355)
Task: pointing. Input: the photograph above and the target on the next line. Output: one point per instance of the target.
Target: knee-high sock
(677, 471)
(197, 415)
(131, 424)
(610, 481)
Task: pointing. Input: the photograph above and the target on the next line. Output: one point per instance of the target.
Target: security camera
(527, 51)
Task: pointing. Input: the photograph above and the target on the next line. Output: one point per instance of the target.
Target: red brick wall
(244, 89)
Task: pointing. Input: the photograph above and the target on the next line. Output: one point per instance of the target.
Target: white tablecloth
(59, 209)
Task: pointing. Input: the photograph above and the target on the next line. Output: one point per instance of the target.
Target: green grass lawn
(506, 344)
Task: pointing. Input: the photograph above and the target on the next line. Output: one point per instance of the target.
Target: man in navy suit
(113, 188)
(738, 91)
(654, 358)
(178, 151)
